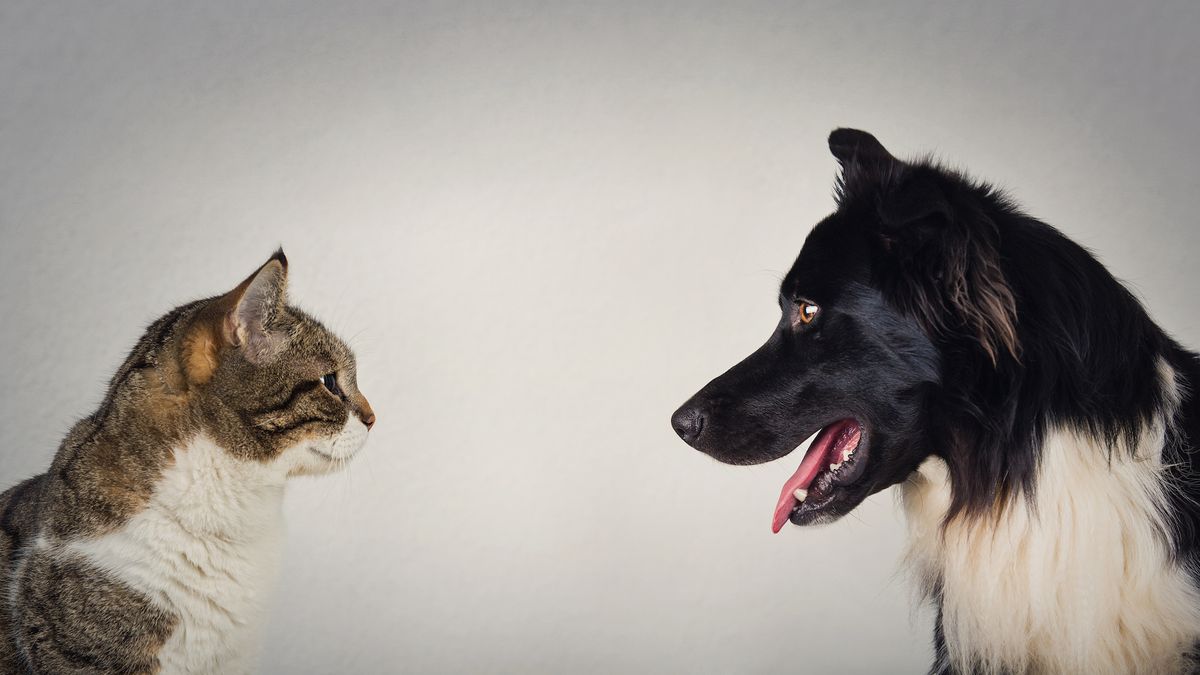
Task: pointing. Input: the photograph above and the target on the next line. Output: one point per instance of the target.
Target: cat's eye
(331, 383)
(808, 311)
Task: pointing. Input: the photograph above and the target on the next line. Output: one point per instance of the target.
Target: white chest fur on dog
(206, 548)
(1079, 581)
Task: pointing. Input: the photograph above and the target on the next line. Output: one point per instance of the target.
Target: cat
(150, 544)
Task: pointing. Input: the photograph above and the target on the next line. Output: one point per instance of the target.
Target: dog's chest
(1079, 581)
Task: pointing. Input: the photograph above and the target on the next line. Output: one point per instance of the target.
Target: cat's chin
(328, 455)
(312, 462)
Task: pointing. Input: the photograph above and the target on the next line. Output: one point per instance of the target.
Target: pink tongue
(814, 460)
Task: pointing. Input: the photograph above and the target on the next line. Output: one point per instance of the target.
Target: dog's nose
(688, 422)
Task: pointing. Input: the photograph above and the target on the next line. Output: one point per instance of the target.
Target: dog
(1042, 429)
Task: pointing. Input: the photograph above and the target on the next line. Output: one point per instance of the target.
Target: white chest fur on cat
(206, 548)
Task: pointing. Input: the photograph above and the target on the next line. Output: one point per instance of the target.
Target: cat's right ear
(242, 319)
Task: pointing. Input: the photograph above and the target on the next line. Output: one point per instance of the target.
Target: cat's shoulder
(19, 509)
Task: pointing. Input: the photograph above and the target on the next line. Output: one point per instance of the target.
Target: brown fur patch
(200, 349)
(978, 292)
(948, 262)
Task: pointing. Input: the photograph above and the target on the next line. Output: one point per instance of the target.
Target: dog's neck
(1077, 577)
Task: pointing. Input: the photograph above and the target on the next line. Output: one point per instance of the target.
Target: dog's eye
(331, 383)
(808, 311)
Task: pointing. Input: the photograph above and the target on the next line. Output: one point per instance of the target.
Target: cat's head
(266, 381)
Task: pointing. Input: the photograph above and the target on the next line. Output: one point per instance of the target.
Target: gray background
(544, 226)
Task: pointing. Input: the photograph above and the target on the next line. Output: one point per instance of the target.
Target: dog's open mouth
(834, 460)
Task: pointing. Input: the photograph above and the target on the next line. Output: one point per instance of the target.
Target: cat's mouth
(342, 446)
(332, 458)
(324, 455)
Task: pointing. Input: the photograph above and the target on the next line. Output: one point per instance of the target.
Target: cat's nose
(365, 413)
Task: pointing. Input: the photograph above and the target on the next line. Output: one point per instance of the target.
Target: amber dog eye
(808, 311)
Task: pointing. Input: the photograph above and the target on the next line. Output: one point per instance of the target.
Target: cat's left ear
(242, 319)
(252, 307)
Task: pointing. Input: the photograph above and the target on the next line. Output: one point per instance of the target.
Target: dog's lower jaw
(1080, 581)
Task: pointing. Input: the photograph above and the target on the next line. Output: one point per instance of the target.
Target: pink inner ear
(256, 341)
(260, 301)
(229, 329)
(261, 344)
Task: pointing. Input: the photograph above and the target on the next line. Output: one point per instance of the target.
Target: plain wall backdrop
(543, 226)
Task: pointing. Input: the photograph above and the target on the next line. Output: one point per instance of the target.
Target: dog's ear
(851, 146)
(942, 264)
(916, 209)
(865, 163)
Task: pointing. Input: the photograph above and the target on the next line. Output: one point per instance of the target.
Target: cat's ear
(252, 307)
(242, 319)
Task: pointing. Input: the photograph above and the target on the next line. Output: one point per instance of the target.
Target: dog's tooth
(846, 454)
(800, 494)
(835, 467)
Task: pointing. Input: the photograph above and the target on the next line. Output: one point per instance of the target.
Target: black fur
(950, 323)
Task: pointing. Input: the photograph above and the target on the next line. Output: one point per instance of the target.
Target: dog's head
(904, 272)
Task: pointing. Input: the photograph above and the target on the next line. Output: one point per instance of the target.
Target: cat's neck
(210, 493)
